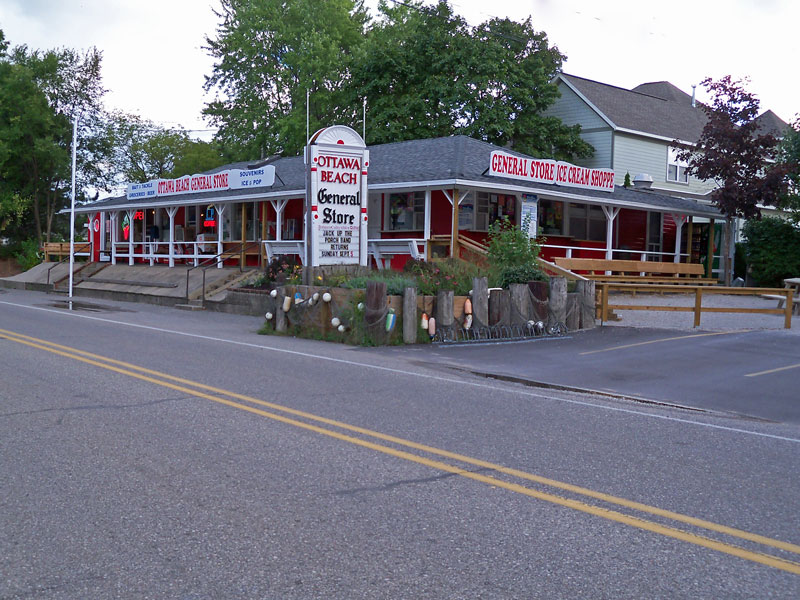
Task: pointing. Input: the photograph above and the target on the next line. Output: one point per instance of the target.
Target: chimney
(643, 181)
(694, 90)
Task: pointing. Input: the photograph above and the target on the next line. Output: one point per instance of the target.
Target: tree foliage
(267, 55)
(789, 156)
(145, 151)
(423, 71)
(41, 94)
(733, 153)
(772, 246)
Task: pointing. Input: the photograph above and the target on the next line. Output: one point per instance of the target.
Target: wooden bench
(285, 247)
(637, 271)
(61, 249)
(382, 250)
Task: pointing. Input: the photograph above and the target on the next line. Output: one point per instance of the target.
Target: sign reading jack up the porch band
(502, 164)
(337, 161)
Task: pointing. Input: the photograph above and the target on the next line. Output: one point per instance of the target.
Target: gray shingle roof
(419, 162)
(645, 112)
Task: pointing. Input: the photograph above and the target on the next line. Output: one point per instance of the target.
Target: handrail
(546, 265)
(214, 260)
(87, 245)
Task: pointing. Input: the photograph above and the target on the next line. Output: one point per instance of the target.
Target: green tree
(145, 151)
(56, 87)
(268, 54)
(772, 246)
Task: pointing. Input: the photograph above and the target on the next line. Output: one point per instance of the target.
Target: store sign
(336, 201)
(502, 164)
(204, 182)
(530, 214)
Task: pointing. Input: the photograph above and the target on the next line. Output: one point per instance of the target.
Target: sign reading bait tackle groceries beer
(336, 198)
(502, 164)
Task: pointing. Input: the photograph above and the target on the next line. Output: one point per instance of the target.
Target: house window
(677, 170)
(551, 217)
(407, 211)
(587, 222)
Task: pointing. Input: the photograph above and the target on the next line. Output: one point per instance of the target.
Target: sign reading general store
(231, 179)
(337, 211)
(502, 164)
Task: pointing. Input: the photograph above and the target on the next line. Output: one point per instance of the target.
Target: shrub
(773, 250)
(447, 274)
(395, 282)
(28, 255)
(512, 254)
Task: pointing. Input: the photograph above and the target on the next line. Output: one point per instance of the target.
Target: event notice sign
(337, 163)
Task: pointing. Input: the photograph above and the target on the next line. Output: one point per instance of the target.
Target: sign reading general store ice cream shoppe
(502, 164)
(337, 162)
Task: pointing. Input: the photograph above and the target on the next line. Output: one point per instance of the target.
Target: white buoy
(468, 306)
(340, 329)
(315, 297)
(360, 306)
(423, 322)
(468, 322)
(268, 316)
(287, 303)
(335, 321)
(432, 326)
(326, 297)
(273, 294)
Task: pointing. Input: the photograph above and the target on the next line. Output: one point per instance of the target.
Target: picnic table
(791, 283)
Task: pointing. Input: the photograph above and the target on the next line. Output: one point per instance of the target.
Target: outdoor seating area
(792, 283)
(637, 271)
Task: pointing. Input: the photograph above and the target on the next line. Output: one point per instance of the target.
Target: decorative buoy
(432, 327)
(467, 321)
(273, 294)
(297, 298)
(390, 319)
(287, 303)
(315, 297)
(268, 316)
(326, 297)
(360, 306)
(424, 321)
(340, 329)
(468, 306)
(335, 321)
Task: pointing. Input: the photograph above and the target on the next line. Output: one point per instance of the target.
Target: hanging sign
(204, 182)
(502, 164)
(247, 178)
(336, 205)
(142, 190)
(530, 214)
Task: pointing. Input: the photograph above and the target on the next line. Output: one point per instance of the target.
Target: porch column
(679, 221)
(113, 216)
(278, 205)
(262, 251)
(611, 213)
(130, 236)
(710, 257)
(427, 234)
(171, 210)
(220, 208)
(244, 234)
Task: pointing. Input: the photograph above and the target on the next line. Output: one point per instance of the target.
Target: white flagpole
(72, 206)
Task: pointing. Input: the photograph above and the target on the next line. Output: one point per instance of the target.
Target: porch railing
(214, 261)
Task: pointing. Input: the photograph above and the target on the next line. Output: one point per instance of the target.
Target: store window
(406, 211)
(587, 222)
(551, 217)
(491, 207)
(677, 170)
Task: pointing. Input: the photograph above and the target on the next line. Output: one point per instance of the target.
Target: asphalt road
(151, 453)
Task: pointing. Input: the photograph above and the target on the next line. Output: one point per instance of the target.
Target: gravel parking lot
(708, 321)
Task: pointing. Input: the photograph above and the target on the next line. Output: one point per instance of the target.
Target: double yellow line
(365, 438)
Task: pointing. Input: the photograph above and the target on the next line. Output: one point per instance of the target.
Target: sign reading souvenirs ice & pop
(502, 164)
(337, 164)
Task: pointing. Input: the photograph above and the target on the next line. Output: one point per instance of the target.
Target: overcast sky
(154, 63)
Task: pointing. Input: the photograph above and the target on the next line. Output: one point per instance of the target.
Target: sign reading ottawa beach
(337, 210)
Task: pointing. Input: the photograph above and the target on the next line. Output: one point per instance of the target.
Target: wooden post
(480, 301)
(558, 299)
(454, 234)
(499, 307)
(410, 321)
(710, 257)
(586, 304)
(787, 321)
(520, 303)
(375, 312)
(604, 304)
(698, 303)
(444, 309)
(281, 320)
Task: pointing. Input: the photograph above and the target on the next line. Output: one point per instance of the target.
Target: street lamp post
(72, 206)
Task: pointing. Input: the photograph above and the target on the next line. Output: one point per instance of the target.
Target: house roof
(428, 163)
(659, 108)
(769, 122)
